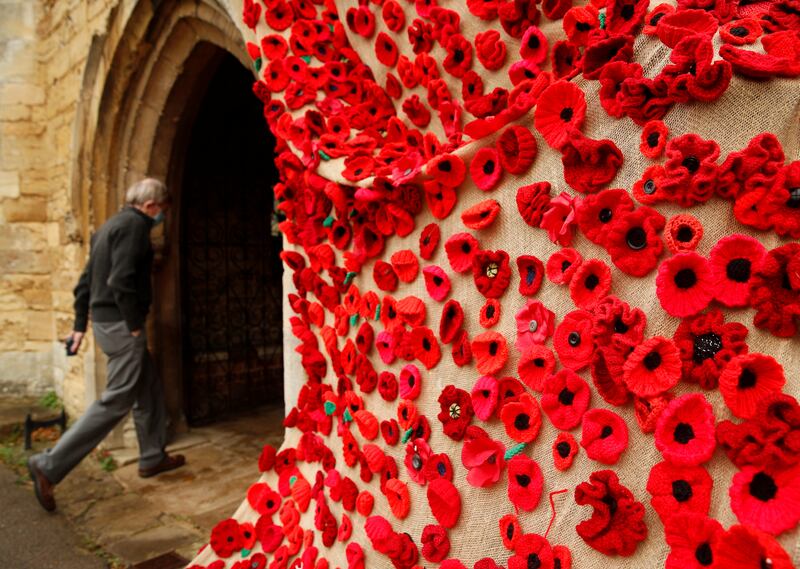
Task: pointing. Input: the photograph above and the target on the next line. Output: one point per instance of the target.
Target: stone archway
(143, 85)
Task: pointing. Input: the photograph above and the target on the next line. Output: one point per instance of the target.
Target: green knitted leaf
(514, 451)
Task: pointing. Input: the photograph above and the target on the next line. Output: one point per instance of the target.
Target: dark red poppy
(532, 202)
(634, 242)
(517, 150)
(435, 543)
(456, 411)
(429, 240)
(589, 164)
(462, 349)
(775, 291)
(490, 313)
(531, 272)
(690, 170)
(491, 272)
(596, 212)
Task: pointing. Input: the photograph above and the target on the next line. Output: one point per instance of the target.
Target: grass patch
(51, 401)
(107, 462)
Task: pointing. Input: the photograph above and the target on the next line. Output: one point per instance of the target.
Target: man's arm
(128, 247)
(81, 304)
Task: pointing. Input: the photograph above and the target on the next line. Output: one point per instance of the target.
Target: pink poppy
(535, 324)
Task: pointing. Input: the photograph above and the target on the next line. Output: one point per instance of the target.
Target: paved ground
(135, 519)
(30, 538)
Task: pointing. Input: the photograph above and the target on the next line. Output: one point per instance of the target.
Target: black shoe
(42, 487)
(167, 463)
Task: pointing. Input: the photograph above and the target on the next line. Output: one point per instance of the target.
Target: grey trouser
(132, 383)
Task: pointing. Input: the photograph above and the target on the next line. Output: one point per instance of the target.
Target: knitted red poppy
(396, 492)
(485, 168)
(447, 169)
(679, 489)
(484, 397)
(424, 346)
(748, 379)
(690, 170)
(615, 319)
(535, 365)
(633, 241)
(533, 201)
(597, 211)
(429, 240)
(604, 435)
(607, 374)
(387, 386)
(437, 283)
(490, 49)
(649, 409)
(653, 17)
(685, 430)
(491, 352)
(561, 108)
(573, 340)
(732, 261)
(459, 55)
(562, 265)
(384, 276)
(616, 526)
(462, 349)
(461, 248)
(405, 265)
(653, 368)
(456, 411)
(226, 538)
(766, 499)
(590, 284)
(763, 156)
(677, 25)
(775, 291)
(647, 189)
(589, 165)
(438, 466)
(417, 453)
(524, 483)
(531, 550)
(707, 343)
(743, 547)
(533, 46)
(441, 199)
(491, 272)
(445, 502)
(654, 139)
(481, 215)
(516, 148)
(531, 272)
(565, 398)
(564, 451)
(683, 233)
(451, 321)
(521, 418)
(579, 22)
(509, 530)
(490, 313)
(694, 540)
(741, 32)
(390, 431)
(435, 543)
(410, 382)
(562, 557)
(684, 284)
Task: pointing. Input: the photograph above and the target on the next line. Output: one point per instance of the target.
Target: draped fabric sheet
(354, 203)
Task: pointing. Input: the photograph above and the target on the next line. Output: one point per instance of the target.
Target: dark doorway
(231, 297)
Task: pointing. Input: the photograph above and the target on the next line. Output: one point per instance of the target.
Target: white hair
(146, 190)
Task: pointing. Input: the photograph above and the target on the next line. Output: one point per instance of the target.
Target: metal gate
(233, 352)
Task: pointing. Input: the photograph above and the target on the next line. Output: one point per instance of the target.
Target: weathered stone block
(9, 184)
(25, 209)
(21, 94)
(31, 262)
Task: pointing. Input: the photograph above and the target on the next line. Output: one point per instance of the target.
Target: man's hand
(76, 338)
(136, 333)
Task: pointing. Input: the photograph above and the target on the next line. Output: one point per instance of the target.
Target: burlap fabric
(745, 110)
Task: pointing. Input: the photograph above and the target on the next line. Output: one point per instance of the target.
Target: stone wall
(55, 58)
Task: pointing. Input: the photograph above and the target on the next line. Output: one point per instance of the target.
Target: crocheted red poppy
(533, 201)
(516, 148)
(437, 283)
(435, 543)
(462, 349)
(417, 453)
(461, 248)
(616, 526)
(387, 386)
(675, 26)
(410, 382)
(604, 435)
(451, 321)
(441, 199)
(524, 483)
(597, 211)
(654, 139)
(633, 241)
(707, 343)
(483, 457)
(684, 284)
(690, 170)
(766, 499)
(647, 189)
(405, 265)
(491, 352)
(481, 215)
(438, 466)
(747, 380)
(589, 165)
(445, 502)
(490, 49)
(459, 55)
(732, 261)
(491, 272)
(456, 411)
(562, 265)
(653, 17)
(490, 313)
(447, 169)
(653, 368)
(484, 397)
(683, 233)
(226, 538)
(510, 530)
(763, 156)
(424, 346)
(429, 240)
(685, 430)
(649, 409)
(565, 398)
(564, 451)
(741, 32)
(775, 291)
(573, 340)
(561, 108)
(590, 284)
(531, 271)
(743, 547)
(694, 540)
(615, 319)
(384, 276)
(535, 365)
(679, 489)
(485, 168)
(531, 550)
(522, 418)
(579, 22)
(390, 431)
(397, 494)
(533, 46)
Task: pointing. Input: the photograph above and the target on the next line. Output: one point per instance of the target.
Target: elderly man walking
(115, 289)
